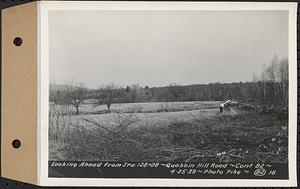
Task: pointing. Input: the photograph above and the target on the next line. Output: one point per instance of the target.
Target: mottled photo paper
(160, 94)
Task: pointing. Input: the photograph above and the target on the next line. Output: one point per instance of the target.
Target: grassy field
(174, 131)
(148, 107)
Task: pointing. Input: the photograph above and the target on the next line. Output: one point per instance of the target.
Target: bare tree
(284, 77)
(57, 94)
(255, 78)
(59, 117)
(75, 95)
(271, 70)
(264, 80)
(107, 95)
(273, 74)
(274, 79)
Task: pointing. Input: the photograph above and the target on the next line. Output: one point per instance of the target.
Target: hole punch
(16, 143)
(18, 41)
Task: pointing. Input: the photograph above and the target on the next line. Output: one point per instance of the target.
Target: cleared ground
(174, 131)
(145, 114)
(90, 108)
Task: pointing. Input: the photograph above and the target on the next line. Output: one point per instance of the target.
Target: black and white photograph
(169, 88)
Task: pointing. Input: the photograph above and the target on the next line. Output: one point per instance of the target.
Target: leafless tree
(75, 95)
(59, 117)
(107, 95)
(264, 80)
(275, 76)
(271, 70)
(255, 78)
(284, 77)
(57, 94)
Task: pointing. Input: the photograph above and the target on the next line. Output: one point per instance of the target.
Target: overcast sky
(156, 48)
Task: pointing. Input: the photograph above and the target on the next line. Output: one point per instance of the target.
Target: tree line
(270, 87)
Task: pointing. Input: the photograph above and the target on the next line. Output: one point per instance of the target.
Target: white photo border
(43, 86)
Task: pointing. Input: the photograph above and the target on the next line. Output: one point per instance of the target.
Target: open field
(175, 131)
(145, 119)
(147, 107)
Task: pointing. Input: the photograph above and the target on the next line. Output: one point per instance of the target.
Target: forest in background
(173, 123)
(269, 88)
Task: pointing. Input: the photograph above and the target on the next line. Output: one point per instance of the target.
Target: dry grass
(148, 107)
(194, 135)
